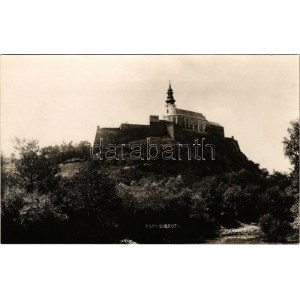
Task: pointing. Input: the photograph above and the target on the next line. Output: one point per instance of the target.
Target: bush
(11, 204)
(89, 199)
(274, 230)
(40, 219)
(29, 217)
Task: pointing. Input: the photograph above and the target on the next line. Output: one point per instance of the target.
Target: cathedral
(177, 124)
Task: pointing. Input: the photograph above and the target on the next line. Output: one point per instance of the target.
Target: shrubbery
(40, 206)
(103, 203)
(275, 230)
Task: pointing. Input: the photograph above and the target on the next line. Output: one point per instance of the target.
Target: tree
(83, 148)
(33, 168)
(281, 180)
(291, 150)
(26, 164)
(3, 174)
(291, 145)
(274, 230)
(11, 203)
(89, 199)
(40, 220)
(30, 217)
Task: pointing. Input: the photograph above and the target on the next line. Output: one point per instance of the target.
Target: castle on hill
(177, 124)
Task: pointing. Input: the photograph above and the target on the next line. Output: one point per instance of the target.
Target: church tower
(170, 98)
(170, 102)
(188, 120)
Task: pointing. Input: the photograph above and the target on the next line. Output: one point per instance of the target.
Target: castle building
(177, 124)
(184, 118)
(189, 120)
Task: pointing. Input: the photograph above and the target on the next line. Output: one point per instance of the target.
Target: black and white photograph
(149, 149)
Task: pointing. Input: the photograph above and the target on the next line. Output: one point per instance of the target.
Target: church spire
(170, 98)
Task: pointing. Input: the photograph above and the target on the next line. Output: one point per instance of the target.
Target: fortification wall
(183, 135)
(234, 143)
(215, 130)
(126, 126)
(109, 135)
(131, 132)
(159, 128)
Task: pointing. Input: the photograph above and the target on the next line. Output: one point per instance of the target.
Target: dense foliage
(109, 202)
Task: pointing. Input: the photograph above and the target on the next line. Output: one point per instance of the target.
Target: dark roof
(189, 113)
(214, 124)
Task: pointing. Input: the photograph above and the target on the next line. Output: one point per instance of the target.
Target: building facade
(189, 120)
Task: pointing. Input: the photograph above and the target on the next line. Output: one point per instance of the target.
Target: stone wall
(157, 128)
(215, 130)
(109, 135)
(184, 135)
(130, 132)
(233, 142)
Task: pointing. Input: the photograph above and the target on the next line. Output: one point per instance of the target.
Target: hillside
(228, 158)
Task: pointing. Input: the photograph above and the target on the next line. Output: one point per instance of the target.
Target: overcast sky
(56, 98)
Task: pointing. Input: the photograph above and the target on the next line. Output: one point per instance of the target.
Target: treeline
(67, 151)
(39, 206)
(105, 203)
(214, 201)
